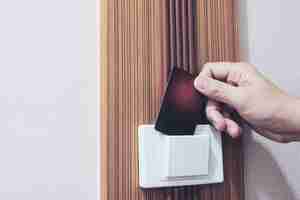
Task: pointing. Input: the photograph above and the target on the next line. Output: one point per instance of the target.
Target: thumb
(216, 90)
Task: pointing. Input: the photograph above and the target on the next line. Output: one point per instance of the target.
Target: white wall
(48, 100)
(271, 34)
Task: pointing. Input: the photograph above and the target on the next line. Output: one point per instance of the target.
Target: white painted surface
(48, 100)
(271, 35)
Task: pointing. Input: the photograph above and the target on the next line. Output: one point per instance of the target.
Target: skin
(238, 88)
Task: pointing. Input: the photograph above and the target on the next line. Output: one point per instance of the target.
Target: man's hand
(239, 86)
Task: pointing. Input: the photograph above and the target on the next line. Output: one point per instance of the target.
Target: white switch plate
(166, 161)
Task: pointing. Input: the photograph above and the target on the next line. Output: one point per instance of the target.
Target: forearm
(288, 117)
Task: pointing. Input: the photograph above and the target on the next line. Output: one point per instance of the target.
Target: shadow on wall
(264, 179)
(263, 176)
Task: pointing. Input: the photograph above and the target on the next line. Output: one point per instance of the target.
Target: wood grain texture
(140, 41)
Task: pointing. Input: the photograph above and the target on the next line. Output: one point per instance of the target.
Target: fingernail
(201, 83)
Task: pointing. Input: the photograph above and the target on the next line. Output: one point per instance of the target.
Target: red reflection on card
(182, 107)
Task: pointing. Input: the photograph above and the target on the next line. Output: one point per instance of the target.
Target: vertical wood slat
(104, 99)
(172, 32)
(140, 41)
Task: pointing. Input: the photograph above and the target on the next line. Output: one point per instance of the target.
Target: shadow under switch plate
(166, 161)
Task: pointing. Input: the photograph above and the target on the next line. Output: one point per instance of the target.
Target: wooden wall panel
(140, 41)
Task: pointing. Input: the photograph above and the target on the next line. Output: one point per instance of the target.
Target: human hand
(239, 86)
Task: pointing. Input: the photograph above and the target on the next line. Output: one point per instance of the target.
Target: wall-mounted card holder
(166, 161)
